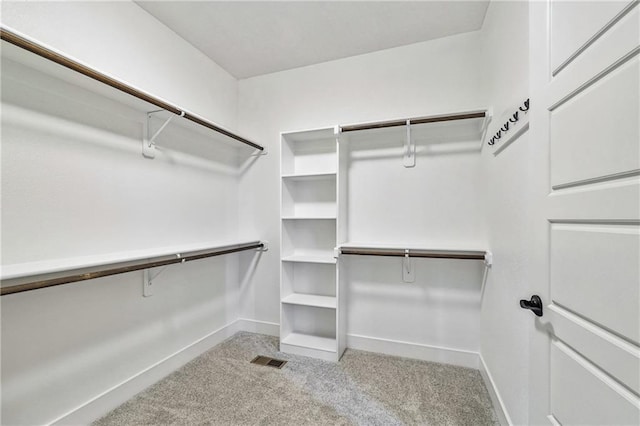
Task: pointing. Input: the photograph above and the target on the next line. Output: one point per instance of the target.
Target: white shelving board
(312, 342)
(309, 176)
(310, 258)
(45, 74)
(26, 269)
(435, 246)
(316, 217)
(310, 300)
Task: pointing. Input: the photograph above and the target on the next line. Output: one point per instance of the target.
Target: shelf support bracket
(147, 279)
(148, 143)
(409, 159)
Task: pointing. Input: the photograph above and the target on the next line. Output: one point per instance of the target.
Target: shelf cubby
(309, 331)
(309, 197)
(308, 278)
(314, 237)
(305, 153)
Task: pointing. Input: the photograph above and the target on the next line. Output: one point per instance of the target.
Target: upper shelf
(51, 62)
(468, 127)
(448, 252)
(414, 121)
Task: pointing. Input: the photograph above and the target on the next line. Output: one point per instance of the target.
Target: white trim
(122, 392)
(101, 404)
(260, 327)
(331, 356)
(512, 138)
(496, 399)
(419, 351)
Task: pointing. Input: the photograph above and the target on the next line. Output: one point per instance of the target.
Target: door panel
(582, 394)
(618, 357)
(573, 24)
(597, 202)
(595, 273)
(609, 49)
(585, 128)
(587, 142)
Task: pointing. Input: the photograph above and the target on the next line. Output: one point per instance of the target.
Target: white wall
(74, 183)
(506, 182)
(427, 78)
(96, 336)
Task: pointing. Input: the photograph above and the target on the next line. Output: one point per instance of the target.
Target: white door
(585, 353)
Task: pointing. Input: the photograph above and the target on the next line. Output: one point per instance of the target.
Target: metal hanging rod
(436, 254)
(46, 53)
(113, 269)
(419, 120)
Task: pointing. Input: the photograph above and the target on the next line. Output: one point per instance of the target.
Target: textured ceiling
(255, 38)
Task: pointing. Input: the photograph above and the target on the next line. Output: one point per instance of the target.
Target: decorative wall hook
(515, 117)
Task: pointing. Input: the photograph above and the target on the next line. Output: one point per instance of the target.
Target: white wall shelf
(413, 250)
(309, 176)
(22, 52)
(309, 341)
(20, 270)
(36, 275)
(309, 258)
(317, 217)
(311, 300)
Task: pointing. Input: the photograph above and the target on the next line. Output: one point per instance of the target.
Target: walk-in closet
(320, 213)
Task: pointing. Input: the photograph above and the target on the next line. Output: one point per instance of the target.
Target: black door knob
(535, 304)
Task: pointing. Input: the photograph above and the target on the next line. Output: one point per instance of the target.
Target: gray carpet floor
(221, 387)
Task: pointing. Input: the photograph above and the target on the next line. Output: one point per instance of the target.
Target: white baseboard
(122, 392)
(498, 403)
(260, 327)
(422, 352)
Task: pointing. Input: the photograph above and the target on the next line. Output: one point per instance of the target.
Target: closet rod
(111, 269)
(419, 120)
(436, 254)
(59, 59)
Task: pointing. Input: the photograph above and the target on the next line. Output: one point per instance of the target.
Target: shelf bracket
(408, 271)
(148, 143)
(147, 279)
(409, 159)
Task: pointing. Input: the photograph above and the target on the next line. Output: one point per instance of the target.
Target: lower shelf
(310, 300)
(310, 258)
(312, 342)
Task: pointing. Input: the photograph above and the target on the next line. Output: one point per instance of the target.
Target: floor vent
(268, 361)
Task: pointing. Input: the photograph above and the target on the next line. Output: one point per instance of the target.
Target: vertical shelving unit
(309, 289)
